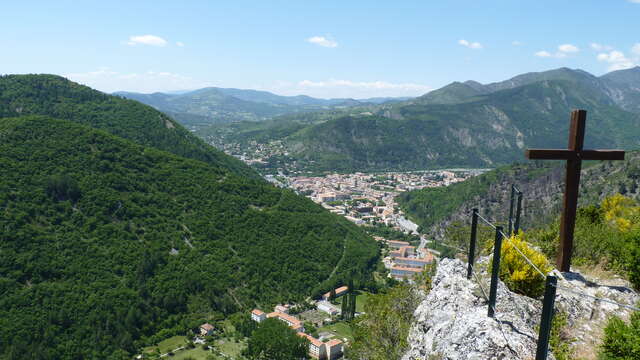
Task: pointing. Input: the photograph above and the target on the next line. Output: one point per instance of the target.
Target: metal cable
(450, 247)
(484, 293)
(596, 298)
(486, 221)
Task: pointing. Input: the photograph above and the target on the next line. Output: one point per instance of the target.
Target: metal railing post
(472, 242)
(513, 199)
(547, 317)
(516, 227)
(495, 270)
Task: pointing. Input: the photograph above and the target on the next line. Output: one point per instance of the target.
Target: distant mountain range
(463, 124)
(214, 105)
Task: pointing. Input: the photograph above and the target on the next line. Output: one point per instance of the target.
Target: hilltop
(214, 105)
(58, 97)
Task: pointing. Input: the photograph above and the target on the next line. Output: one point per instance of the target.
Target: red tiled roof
(294, 321)
(257, 312)
(424, 261)
(417, 270)
(311, 339)
(206, 326)
(397, 242)
(339, 291)
(333, 342)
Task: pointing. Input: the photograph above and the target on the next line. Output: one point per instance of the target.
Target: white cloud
(563, 51)
(322, 41)
(152, 40)
(635, 1)
(470, 45)
(600, 47)
(338, 88)
(568, 48)
(616, 60)
(636, 48)
(516, 43)
(107, 80)
(543, 53)
(180, 43)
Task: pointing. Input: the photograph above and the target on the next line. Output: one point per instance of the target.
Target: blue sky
(323, 49)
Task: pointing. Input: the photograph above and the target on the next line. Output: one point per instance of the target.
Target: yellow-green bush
(516, 272)
(620, 212)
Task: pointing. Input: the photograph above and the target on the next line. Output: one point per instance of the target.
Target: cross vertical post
(571, 188)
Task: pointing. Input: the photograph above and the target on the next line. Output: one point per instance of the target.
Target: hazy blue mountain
(214, 105)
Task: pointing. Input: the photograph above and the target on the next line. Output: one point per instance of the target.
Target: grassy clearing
(340, 330)
(168, 345)
(231, 347)
(196, 354)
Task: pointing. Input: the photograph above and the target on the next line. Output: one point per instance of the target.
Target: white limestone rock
(452, 322)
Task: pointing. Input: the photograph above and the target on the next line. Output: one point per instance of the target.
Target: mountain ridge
(460, 125)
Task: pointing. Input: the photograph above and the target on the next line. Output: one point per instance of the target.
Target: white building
(257, 315)
(327, 307)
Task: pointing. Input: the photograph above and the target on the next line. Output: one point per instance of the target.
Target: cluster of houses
(318, 349)
(404, 262)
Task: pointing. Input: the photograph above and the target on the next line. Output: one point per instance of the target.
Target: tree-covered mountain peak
(55, 96)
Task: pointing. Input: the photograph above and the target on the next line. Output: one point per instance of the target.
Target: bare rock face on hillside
(452, 323)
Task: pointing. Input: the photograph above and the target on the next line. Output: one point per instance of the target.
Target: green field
(340, 330)
(196, 354)
(168, 345)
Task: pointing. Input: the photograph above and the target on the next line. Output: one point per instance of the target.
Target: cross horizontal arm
(602, 154)
(550, 154)
(564, 154)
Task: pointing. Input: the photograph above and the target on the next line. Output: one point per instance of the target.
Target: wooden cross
(574, 156)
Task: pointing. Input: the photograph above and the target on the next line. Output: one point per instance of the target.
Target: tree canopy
(106, 243)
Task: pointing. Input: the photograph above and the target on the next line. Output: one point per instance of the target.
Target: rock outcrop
(452, 322)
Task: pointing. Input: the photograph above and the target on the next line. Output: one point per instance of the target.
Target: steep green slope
(463, 124)
(493, 129)
(455, 92)
(104, 242)
(57, 97)
(624, 87)
(541, 183)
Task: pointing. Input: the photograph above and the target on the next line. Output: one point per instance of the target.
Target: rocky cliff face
(452, 323)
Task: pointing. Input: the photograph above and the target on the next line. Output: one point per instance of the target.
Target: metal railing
(551, 281)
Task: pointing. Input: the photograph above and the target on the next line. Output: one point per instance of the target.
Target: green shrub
(515, 271)
(621, 340)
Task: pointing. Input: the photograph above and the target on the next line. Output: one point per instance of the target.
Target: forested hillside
(58, 97)
(105, 242)
(463, 124)
(540, 181)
